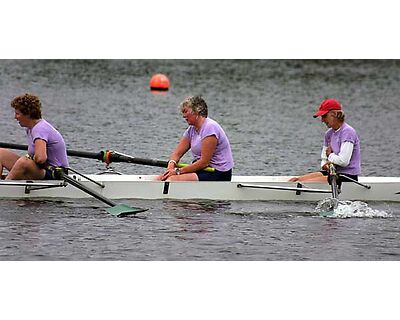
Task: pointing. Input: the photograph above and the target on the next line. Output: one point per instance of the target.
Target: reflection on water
(194, 217)
(194, 206)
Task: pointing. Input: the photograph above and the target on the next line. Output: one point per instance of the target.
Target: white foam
(349, 209)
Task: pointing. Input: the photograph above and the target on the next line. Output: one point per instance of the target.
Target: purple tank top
(56, 150)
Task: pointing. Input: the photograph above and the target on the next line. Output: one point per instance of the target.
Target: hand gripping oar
(107, 156)
(118, 210)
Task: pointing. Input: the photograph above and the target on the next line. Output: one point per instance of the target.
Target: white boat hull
(263, 188)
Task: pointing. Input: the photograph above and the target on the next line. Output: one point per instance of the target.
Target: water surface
(266, 108)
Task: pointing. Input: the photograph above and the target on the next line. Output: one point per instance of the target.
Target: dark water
(266, 108)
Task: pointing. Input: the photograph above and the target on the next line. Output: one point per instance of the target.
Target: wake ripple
(348, 209)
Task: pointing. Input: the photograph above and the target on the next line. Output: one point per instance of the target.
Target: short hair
(29, 105)
(197, 104)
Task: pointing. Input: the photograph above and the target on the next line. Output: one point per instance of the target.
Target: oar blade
(327, 214)
(121, 210)
(118, 210)
(326, 208)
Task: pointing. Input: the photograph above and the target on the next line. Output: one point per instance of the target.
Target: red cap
(326, 106)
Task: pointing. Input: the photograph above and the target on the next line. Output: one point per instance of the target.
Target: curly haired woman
(46, 146)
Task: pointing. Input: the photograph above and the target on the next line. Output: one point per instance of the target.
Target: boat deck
(263, 188)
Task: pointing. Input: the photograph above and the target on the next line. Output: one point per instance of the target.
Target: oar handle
(332, 170)
(207, 169)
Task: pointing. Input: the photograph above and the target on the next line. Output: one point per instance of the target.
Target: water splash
(334, 208)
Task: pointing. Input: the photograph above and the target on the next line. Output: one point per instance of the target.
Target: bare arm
(182, 147)
(40, 156)
(208, 146)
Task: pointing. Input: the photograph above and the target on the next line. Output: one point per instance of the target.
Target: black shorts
(215, 175)
(50, 173)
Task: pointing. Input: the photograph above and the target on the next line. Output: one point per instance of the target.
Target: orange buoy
(159, 82)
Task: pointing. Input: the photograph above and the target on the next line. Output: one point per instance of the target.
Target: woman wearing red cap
(341, 145)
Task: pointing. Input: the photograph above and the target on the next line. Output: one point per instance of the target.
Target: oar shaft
(120, 157)
(91, 192)
(86, 154)
(107, 156)
(13, 146)
(72, 153)
(118, 210)
(333, 180)
(334, 188)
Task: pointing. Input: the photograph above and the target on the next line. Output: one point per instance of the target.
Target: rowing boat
(111, 185)
(241, 188)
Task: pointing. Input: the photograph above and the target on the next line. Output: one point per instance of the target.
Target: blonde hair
(196, 104)
(339, 114)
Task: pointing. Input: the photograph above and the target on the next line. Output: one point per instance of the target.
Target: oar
(332, 204)
(83, 154)
(333, 179)
(115, 156)
(107, 156)
(118, 210)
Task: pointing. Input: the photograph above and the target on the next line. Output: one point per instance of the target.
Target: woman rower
(341, 145)
(46, 146)
(207, 141)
